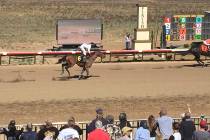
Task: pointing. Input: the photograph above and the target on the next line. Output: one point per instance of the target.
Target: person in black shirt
(12, 133)
(48, 131)
(71, 123)
(187, 127)
(123, 120)
(99, 116)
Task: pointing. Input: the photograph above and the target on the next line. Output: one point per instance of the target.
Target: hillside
(30, 24)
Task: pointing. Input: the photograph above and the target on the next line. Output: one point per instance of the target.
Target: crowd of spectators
(100, 128)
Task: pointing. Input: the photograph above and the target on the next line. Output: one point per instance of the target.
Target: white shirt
(127, 39)
(85, 47)
(68, 134)
(177, 136)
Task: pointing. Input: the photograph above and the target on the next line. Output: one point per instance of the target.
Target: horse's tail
(61, 59)
(185, 52)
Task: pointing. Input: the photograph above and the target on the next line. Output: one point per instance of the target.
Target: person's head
(11, 125)
(123, 116)
(126, 131)
(29, 127)
(71, 121)
(171, 137)
(151, 121)
(187, 115)
(12, 122)
(99, 113)
(143, 124)
(110, 119)
(98, 124)
(203, 124)
(48, 124)
(93, 45)
(163, 112)
(176, 126)
(127, 34)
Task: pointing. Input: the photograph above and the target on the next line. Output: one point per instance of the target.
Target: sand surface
(38, 92)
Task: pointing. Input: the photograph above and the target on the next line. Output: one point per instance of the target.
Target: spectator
(29, 134)
(171, 137)
(48, 132)
(126, 133)
(123, 120)
(142, 132)
(177, 135)
(68, 134)
(201, 134)
(187, 127)
(112, 129)
(11, 132)
(128, 41)
(99, 116)
(72, 124)
(152, 127)
(98, 133)
(165, 124)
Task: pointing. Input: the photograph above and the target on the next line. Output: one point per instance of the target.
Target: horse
(70, 61)
(199, 49)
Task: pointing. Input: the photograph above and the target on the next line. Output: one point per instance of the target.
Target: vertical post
(86, 131)
(152, 40)
(9, 59)
(0, 59)
(142, 56)
(34, 59)
(43, 59)
(174, 56)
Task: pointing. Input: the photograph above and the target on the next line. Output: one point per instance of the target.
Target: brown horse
(70, 61)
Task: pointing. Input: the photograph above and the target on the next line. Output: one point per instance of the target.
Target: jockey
(85, 47)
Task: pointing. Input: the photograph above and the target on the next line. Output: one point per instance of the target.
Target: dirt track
(36, 93)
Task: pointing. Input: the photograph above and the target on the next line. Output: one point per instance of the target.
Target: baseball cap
(99, 111)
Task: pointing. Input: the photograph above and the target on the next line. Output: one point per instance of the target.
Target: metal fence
(111, 55)
(83, 125)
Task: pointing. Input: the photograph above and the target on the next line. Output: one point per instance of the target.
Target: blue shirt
(142, 134)
(30, 135)
(165, 126)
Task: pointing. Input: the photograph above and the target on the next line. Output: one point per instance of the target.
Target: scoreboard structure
(187, 27)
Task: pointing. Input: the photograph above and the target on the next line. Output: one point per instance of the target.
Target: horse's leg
(87, 71)
(62, 66)
(200, 62)
(197, 58)
(81, 74)
(67, 69)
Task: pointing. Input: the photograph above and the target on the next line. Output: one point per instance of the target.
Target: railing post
(43, 59)
(34, 59)
(9, 60)
(0, 59)
(174, 56)
(142, 56)
(86, 132)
